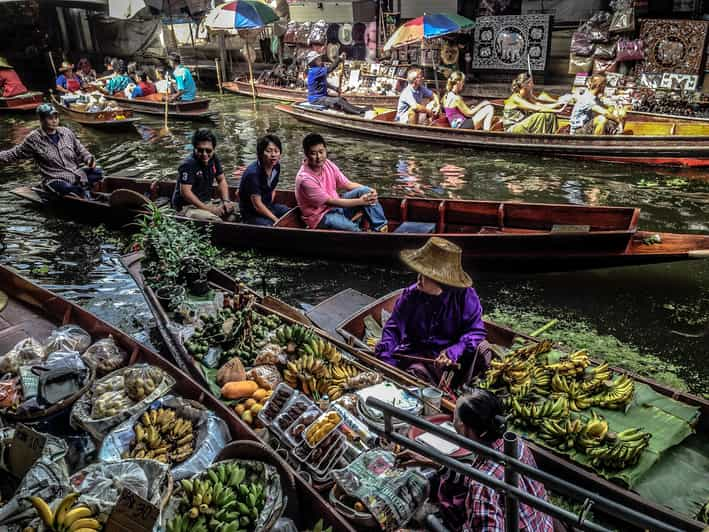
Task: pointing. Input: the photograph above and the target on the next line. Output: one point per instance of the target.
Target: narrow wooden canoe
(679, 145)
(495, 236)
(285, 94)
(34, 311)
(22, 102)
(353, 330)
(112, 119)
(197, 109)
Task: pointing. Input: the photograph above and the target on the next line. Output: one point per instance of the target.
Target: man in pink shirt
(316, 187)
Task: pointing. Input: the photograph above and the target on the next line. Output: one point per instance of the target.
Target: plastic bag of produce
(259, 504)
(271, 355)
(94, 411)
(265, 376)
(364, 379)
(67, 338)
(140, 381)
(176, 430)
(105, 356)
(25, 353)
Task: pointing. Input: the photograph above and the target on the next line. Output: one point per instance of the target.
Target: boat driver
(318, 85)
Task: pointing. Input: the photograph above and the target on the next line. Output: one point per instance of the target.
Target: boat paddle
(453, 365)
(165, 130)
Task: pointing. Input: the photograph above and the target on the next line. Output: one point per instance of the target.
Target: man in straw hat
(10, 83)
(318, 85)
(439, 318)
(67, 81)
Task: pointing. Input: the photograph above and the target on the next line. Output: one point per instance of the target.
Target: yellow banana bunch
(593, 433)
(66, 518)
(534, 414)
(572, 365)
(320, 348)
(618, 395)
(163, 436)
(624, 450)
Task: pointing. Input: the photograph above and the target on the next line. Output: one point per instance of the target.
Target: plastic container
(357, 427)
(294, 434)
(280, 396)
(302, 452)
(298, 405)
(317, 423)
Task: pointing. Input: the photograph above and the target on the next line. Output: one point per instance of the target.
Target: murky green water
(641, 306)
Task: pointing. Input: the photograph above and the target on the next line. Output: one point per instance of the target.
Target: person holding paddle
(318, 85)
(437, 324)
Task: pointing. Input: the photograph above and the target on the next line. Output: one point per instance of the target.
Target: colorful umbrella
(240, 15)
(428, 27)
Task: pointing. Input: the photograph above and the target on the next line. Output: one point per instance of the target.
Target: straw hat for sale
(440, 260)
(4, 63)
(65, 66)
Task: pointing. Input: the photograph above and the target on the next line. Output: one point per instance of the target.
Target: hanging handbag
(318, 33)
(291, 31)
(623, 21)
(630, 50)
(602, 66)
(578, 65)
(605, 51)
(581, 44)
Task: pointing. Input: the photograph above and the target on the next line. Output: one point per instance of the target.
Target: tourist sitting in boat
(414, 98)
(458, 113)
(65, 165)
(162, 84)
(132, 91)
(118, 80)
(523, 113)
(589, 116)
(186, 88)
(321, 207)
(86, 74)
(194, 190)
(10, 83)
(257, 188)
(67, 82)
(146, 86)
(438, 319)
(318, 85)
(469, 505)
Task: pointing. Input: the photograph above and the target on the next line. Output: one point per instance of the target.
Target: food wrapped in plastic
(68, 338)
(101, 483)
(10, 393)
(364, 379)
(265, 376)
(209, 435)
(105, 356)
(86, 414)
(349, 402)
(25, 353)
(272, 355)
(142, 380)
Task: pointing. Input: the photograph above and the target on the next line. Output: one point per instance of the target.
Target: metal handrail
(512, 463)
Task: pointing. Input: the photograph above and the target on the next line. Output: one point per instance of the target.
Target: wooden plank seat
(416, 227)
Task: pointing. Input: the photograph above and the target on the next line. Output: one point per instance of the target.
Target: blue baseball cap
(46, 109)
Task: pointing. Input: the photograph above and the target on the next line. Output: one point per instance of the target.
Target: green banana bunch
(622, 451)
(292, 337)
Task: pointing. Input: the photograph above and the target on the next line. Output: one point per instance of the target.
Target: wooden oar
(165, 130)
(453, 365)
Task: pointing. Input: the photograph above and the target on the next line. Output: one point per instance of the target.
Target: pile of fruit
(163, 436)
(322, 427)
(68, 517)
(228, 498)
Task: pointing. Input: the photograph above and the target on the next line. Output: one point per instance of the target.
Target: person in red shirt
(10, 83)
(147, 86)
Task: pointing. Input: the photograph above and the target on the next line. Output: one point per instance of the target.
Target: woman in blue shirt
(67, 82)
(119, 81)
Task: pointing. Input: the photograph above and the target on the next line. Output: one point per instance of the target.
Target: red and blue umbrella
(428, 27)
(240, 15)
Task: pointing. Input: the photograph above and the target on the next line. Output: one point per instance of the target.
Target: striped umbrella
(240, 15)
(428, 27)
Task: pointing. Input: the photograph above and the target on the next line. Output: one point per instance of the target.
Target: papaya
(239, 389)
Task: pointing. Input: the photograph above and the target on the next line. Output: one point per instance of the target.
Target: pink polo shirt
(312, 191)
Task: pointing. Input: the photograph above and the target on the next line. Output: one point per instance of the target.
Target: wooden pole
(342, 76)
(194, 51)
(219, 76)
(251, 71)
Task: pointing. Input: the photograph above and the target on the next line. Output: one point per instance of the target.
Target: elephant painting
(510, 45)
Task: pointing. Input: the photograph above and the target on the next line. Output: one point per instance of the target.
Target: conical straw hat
(440, 260)
(4, 63)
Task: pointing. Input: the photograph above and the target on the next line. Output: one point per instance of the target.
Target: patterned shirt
(61, 160)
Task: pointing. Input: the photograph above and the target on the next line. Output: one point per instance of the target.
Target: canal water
(659, 312)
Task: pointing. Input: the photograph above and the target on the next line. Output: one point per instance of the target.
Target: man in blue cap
(65, 165)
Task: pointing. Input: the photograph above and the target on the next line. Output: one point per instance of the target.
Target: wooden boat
(495, 236)
(111, 119)
(353, 330)
(34, 311)
(650, 143)
(22, 102)
(272, 92)
(197, 109)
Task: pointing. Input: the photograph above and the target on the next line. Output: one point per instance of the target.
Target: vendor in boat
(67, 81)
(414, 100)
(10, 83)
(257, 188)
(469, 505)
(186, 88)
(147, 87)
(589, 116)
(85, 73)
(194, 190)
(65, 165)
(438, 318)
(523, 113)
(118, 81)
(318, 85)
(321, 207)
(458, 113)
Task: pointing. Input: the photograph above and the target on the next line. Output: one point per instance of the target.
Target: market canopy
(125, 9)
(240, 15)
(428, 27)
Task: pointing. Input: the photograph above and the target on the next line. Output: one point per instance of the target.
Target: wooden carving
(675, 46)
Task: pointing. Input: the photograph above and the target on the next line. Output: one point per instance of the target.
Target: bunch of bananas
(572, 365)
(163, 436)
(574, 391)
(596, 377)
(320, 348)
(618, 394)
(340, 377)
(593, 434)
(67, 517)
(534, 414)
(623, 451)
(561, 434)
(291, 337)
(220, 501)
(312, 374)
(516, 369)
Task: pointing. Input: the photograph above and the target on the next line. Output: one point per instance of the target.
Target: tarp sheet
(125, 38)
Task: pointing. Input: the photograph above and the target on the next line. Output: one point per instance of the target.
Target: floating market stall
(90, 114)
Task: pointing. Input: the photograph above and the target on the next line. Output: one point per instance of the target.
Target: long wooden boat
(197, 109)
(271, 92)
(34, 311)
(353, 330)
(22, 102)
(111, 119)
(649, 143)
(495, 236)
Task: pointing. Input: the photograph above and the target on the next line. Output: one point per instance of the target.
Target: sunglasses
(204, 150)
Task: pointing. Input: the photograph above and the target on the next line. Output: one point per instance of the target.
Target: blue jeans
(62, 188)
(340, 218)
(276, 208)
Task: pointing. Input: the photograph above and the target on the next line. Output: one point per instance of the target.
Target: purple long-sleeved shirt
(425, 325)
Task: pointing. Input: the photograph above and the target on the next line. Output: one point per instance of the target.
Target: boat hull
(108, 120)
(22, 103)
(197, 109)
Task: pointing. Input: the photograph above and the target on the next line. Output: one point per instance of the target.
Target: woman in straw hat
(439, 317)
(67, 81)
